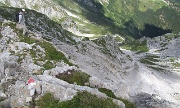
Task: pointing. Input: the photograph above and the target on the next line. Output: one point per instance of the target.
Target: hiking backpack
(17, 17)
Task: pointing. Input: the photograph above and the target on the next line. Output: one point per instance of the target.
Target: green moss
(109, 93)
(81, 100)
(73, 76)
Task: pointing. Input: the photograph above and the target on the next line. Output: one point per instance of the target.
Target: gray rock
(2, 95)
(119, 103)
(28, 99)
(5, 104)
(38, 88)
(145, 100)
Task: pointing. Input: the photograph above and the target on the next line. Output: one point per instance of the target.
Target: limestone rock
(38, 88)
(5, 104)
(119, 103)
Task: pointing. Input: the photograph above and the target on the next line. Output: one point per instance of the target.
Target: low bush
(73, 76)
(81, 100)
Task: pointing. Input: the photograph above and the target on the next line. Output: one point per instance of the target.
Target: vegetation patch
(153, 58)
(48, 65)
(176, 65)
(150, 60)
(149, 4)
(73, 76)
(145, 61)
(109, 93)
(51, 53)
(81, 100)
(139, 46)
(119, 39)
(0, 30)
(0, 35)
(157, 68)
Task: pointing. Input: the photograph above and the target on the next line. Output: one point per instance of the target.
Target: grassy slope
(139, 13)
(92, 23)
(133, 18)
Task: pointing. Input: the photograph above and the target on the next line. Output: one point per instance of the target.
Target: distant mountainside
(136, 17)
(132, 18)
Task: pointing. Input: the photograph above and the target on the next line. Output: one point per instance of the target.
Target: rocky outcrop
(153, 101)
(18, 67)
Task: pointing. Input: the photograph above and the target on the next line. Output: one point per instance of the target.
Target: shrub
(73, 76)
(109, 93)
(81, 100)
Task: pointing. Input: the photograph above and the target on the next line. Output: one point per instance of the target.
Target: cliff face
(144, 71)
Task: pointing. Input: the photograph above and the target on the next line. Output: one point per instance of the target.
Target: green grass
(73, 76)
(109, 93)
(157, 68)
(176, 65)
(171, 59)
(145, 61)
(149, 4)
(119, 39)
(139, 46)
(0, 30)
(50, 51)
(48, 65)
(81, 100)
(150, 59)
(1, 36)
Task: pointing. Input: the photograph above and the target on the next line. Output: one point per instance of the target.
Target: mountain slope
(132, 18)
(143, 71)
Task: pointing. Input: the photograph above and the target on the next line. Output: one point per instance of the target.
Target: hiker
(21, 21)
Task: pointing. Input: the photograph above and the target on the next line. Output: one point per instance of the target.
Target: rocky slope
(145, 71)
